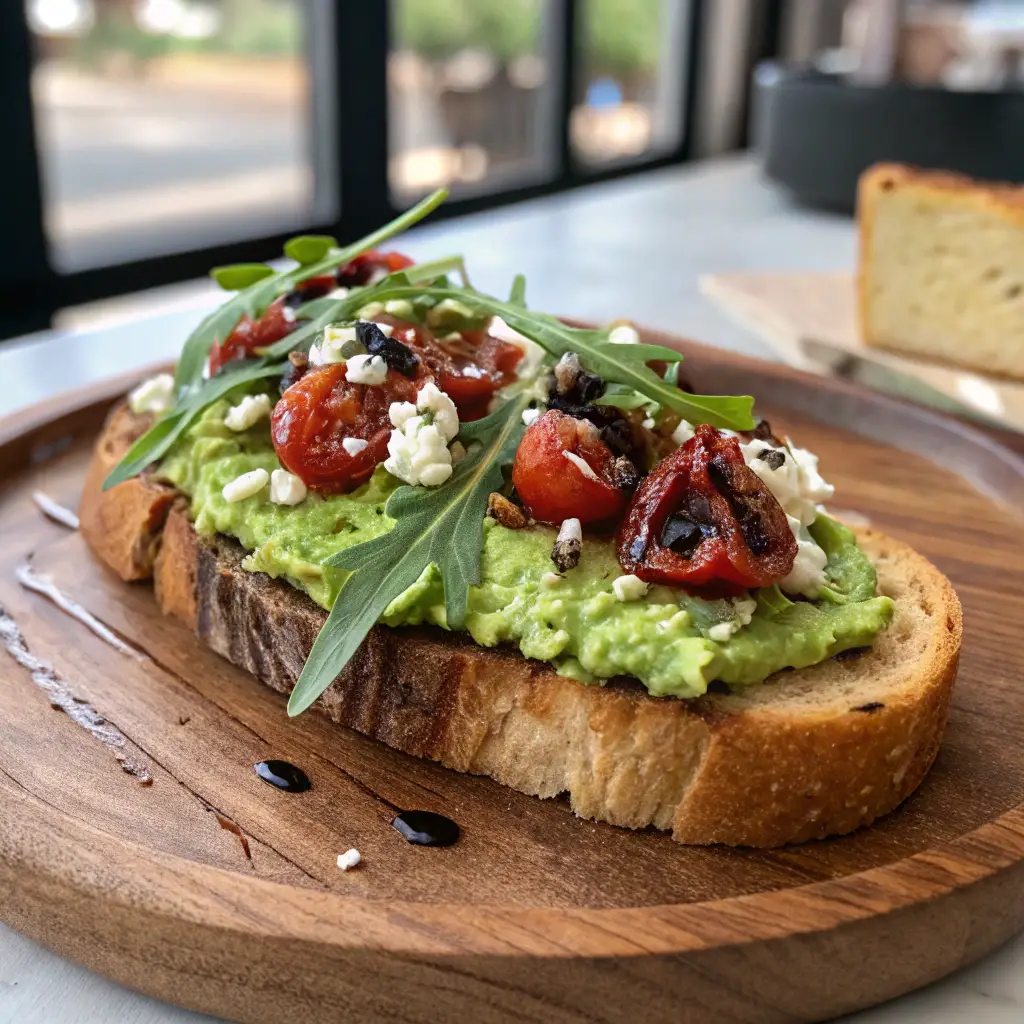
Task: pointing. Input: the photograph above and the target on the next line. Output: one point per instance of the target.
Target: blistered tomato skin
(317, 413)
(703, 519)
(249, 335)
(554, 488)
(469, 370)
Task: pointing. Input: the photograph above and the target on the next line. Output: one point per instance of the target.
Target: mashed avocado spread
(575, 622)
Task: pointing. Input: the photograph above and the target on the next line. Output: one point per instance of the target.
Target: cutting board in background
(811, 322)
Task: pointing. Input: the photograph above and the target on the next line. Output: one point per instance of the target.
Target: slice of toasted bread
(807, 754)
(942, 268)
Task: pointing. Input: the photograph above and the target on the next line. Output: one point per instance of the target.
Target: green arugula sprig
(618, 364)
(442, 526)
(263, 288)
(157, 441)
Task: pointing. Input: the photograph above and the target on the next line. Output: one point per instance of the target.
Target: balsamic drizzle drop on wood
(425, 828)
(283, 775)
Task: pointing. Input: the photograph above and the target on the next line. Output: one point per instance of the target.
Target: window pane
(632, 58)
(469, 94)
(167, 125)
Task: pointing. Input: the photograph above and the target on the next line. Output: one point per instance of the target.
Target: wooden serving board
(534, 915)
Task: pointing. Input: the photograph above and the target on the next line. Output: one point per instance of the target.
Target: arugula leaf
(240, 275)
(253, 300)
(620, 364)
(308, 249)
(517, 296)
(157, 441)
(624, 400)
(441, 526)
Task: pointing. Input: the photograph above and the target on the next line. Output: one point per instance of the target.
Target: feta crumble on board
(249, 411)
(629, 588)
(246, 486)
(349, 859)
(155, 395)
(366, 369)
(286, 488)
(418, 447)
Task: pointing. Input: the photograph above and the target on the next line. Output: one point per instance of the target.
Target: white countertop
(628, 249)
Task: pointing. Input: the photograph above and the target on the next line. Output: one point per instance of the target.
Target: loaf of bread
(942, 268)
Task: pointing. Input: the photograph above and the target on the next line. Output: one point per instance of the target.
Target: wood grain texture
(535, 915)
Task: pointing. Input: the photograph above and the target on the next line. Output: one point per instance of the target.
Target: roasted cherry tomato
(553, 487)
(703, 518)
(320, 411)
(249, 335)
(469, 369)
(360, 271)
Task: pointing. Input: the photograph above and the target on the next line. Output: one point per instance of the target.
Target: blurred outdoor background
(149, 139)
(166, 123)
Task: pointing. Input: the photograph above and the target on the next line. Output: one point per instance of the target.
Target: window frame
(347, 47)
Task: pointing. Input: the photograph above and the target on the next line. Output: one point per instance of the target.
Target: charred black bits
(875, 705)
(747, 516)
(623, 474)
(680, 534)
(399, 357)
(298, 364)
(774, 457)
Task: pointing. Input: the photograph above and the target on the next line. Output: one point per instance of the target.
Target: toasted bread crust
(123, 525)
(805, 755)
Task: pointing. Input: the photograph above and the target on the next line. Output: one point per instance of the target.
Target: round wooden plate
(534, 915)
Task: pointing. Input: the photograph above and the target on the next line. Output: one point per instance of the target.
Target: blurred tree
(438, 29)
(622, 38)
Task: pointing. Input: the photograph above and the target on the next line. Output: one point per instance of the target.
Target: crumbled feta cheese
(458, 450)
(648, 424)
(155, 395)
(582, 465)
(571, 529)
(624, 334)
(791, 474)
(418, 447)
(807, 576)
(629, 588)
(339, 342)
(338, 293)
(431, 399)
(249, 411)
(246, 486)
(683, 432)
(366, 369)
(354, 445)
(286, 488)
(400, 413)
(530, 416)
(349, 859)
(743, 609)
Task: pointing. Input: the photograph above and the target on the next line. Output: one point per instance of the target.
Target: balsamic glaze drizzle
(425, 828)
(283, 775)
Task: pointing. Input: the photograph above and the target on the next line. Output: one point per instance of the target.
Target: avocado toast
(543, 558)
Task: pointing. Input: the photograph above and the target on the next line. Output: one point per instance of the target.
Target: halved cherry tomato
(704, 518)
(359, 271)
(320, 410)
(553, 487)
(249, 335)
(469, 369)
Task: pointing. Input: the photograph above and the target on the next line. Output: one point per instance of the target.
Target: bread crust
(807, 754)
